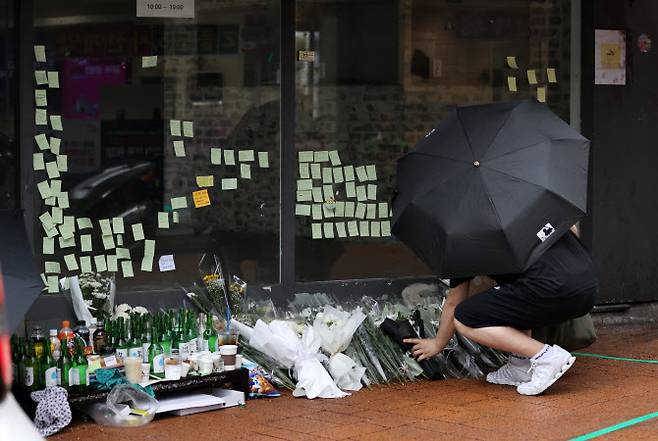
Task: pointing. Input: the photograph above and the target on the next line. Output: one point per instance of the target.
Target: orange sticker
(201, 198)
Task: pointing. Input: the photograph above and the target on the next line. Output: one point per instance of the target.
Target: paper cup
(216, 361)
(194, 361)
(184, 369)
(146, 370)
(228, 353)
(133, 368)
(205, 365)
(238, 361)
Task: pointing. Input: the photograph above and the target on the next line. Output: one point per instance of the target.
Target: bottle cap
(66, 324)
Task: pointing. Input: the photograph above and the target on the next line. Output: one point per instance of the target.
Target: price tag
(168, 9)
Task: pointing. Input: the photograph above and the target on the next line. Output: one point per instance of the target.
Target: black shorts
(517, 307)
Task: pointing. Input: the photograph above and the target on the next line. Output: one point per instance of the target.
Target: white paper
(166, 263)
(156, 8)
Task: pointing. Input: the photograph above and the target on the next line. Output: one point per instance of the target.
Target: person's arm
(429, 347)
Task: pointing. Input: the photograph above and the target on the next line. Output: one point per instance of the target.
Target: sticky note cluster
(532, 78)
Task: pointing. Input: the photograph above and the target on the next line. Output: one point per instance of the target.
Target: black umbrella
(491, 188)
(21, 278)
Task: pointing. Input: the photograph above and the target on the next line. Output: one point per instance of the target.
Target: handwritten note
(188, 129)
(541, 94)
(246, 156)
(201, 198)
(215, 156)
(179, 148)
(138, 232)
(205, 181)
(511, 62)
(53, 79)
(166, 263)
(511, 84)
(163, 220)
(40, 77)
(40, 97)
(551, 75)
(175, 127)
(532, 76)
(229, 157)
(40, 53)
(245, 171)
(149, 61)
(263, 159)
(178, 203)
(229, 183)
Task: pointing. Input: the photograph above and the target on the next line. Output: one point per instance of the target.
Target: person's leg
(502, 338)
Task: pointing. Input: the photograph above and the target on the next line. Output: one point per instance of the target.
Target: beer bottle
(100, 339)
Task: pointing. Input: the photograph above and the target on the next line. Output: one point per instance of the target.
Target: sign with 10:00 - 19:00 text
(165, 8)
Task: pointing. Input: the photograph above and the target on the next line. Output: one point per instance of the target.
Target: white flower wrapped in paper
(336, 329)
(279, 341)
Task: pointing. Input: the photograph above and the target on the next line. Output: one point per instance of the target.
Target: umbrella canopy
(21, 278)
(491, 188)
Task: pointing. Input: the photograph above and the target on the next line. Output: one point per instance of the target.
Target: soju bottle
(122, 344)
(156, 355)
(31, 373)
(134, 345)
(78, 374)
(64, 366)
(209, 335)
(147, 335)
(166, 330)
(48, 368)
(192, 333)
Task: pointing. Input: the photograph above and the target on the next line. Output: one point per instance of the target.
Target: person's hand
(423, 347)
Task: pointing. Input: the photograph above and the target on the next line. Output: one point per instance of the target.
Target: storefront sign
(168, 9)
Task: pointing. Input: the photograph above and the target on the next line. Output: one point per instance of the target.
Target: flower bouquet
(92, 295)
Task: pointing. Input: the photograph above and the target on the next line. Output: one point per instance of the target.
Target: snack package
(259, 383)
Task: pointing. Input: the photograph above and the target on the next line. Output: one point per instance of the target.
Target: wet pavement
(594, 394)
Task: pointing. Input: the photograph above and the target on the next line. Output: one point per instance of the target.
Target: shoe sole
(564, 369)
(504, 383)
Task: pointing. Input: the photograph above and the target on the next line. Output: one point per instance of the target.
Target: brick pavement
(594, 394)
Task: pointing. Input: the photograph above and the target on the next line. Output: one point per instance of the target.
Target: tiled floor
(594, 394)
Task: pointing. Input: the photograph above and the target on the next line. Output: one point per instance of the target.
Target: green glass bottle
(147, 336)
(156, 355)
(78, 374)
(209, 335)
(48, 368)
(166, 334)
(135, 344)
(64, 366)
(192, 336)
(31, 373)
(121, 345)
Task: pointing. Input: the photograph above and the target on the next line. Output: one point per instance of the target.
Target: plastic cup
(228, 353)
(146, 370)
(184, 369)
(133, 368)
(173, 366)
(229, 337)
(193, 359)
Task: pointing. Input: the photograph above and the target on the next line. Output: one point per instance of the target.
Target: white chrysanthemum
(140, 310)
(191, 295)
(99, 295)
(123, 308)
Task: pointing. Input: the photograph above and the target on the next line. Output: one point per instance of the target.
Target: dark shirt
(566, 268)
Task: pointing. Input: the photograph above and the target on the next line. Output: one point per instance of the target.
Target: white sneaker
(546, 369)
(512, 373)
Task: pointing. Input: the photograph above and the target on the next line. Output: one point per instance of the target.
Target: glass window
(152, 109)
(9, 158)
(374, 77)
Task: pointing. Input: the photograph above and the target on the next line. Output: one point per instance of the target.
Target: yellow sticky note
(610, 55)
(40, 117)
(349, 209)
(304, 184)
(71, 262)
(85, 264)
(175, 217)
(147, 264)
(205, 181)
(108, 242)
(348, 171)
(44, 189)
(317, 194)
(163, 220)
(123, 253)
(84, 222)
(215, 156)
(40, 53)
(112, 264)
(316, 231)
(353, 228)
(106, 227)
(334, 157)
(532, 76)
(37, 161)
(53, 79)
(52, 268)
(338, 175)
(201, 198)
(511, 62)
(264, 159)
(364, 228)
(174, 127)
(229, 157)
(245, 171)
(305, 156)
(551, 75)
(138, 232)
(386, 228)
(63, 200)
(361, 173)
(361, 194)
(340, 228)
(321, 156)
(62, 163)
(375, 229)
(40, 98)
(327, 175)
(56, 122)
(127, 268)
(372, 192)
(328, 230)
(229, 183)
(53, 171)
(48, 246)
(149, 247)
(302, 210)
(150, 61)
(188, 129)
(246, 155)
(101, 263)
(40, 77)
(511, 84)
(117, 225)
(304, 196)
(360, 210)
(541, 94)
(178, 203)
(54, 144)
(179, 148)
(53, 284)
(383, 210)
(371, 171)
(85, 243)
(304, 170)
